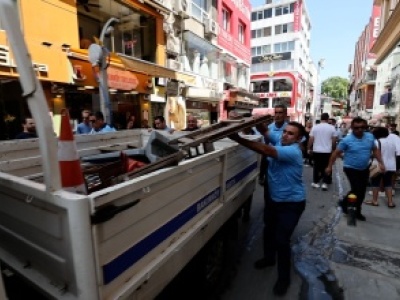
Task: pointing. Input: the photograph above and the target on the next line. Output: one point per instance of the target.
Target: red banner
(374, 27)
(298, 8)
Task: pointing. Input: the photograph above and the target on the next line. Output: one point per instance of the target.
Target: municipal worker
(285, 199)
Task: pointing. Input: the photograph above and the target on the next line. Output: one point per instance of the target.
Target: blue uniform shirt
(275, 133)
(82, 128)
(288, 186)
(357, 152)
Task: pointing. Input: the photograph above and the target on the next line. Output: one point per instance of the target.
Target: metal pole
(105, 103)
(317, 93)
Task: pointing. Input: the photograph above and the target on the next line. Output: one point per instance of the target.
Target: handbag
(374, 169)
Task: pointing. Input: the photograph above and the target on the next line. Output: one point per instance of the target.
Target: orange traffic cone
(70, 167)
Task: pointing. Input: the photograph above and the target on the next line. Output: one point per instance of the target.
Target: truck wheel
(219, 259)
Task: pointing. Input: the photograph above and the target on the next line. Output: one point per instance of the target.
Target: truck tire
(218, 259)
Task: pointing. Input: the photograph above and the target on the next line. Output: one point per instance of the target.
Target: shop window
(260, 86)
(282, 85)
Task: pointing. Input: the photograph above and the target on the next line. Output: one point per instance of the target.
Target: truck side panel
(129, 244)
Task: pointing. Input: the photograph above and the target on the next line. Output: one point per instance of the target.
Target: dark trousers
(321, 161)
(280, 219)
(263, 167)
(358, 184)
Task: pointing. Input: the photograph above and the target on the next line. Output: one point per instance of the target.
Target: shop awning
(151, 69)
(201, 94)
(245, 94)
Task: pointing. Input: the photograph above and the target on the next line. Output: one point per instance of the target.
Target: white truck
(157, 222)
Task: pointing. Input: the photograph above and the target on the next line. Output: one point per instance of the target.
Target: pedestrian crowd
(91, 123)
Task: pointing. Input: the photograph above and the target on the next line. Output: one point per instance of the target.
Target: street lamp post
(317, 90)
(105, 104)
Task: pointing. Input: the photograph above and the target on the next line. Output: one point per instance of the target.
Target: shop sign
(121, 79)
(275, 95)
(209, 84)
(7, 61)
(271, 57)
(174, 88)
(206, 94)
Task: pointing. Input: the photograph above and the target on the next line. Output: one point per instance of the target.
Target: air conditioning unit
(173, 64)
(183, 8)
(211, 27)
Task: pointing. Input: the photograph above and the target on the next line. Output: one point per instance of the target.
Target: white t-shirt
(323, 134)
(395, 139)
(388, 152)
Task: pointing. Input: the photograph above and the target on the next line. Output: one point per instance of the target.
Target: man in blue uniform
(357, 148)
(285, 199)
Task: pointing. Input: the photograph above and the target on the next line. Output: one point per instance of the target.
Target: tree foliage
(335, 87)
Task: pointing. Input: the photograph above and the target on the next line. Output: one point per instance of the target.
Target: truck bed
(70, 247)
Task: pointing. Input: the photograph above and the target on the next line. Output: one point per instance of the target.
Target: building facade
(163, 57)
(364, 76)
(387, 51)
(280, 50)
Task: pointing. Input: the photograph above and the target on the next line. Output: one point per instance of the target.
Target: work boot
(360, 217)
(281, 287)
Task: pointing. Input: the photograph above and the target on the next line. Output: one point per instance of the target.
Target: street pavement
(331, 259)
(366, 258)
(359, 262)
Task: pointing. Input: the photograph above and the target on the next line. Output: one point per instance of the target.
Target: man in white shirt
(395, 139)
(322, 142)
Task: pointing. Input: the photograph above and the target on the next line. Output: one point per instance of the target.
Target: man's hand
(328, 170)
(382, 167)
(261, 128)
(234, 136)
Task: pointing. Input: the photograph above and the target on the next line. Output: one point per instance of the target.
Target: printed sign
(121, 79)
(275, 95)
(7, 61)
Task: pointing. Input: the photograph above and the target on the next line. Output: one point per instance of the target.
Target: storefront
(49, 66)
(129, 91)
(203, 100)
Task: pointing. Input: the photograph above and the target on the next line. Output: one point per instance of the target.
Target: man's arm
(258, 147)
(332, 159)
(377, 154)
(310, 144)
(263, 130)
(334, 141)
